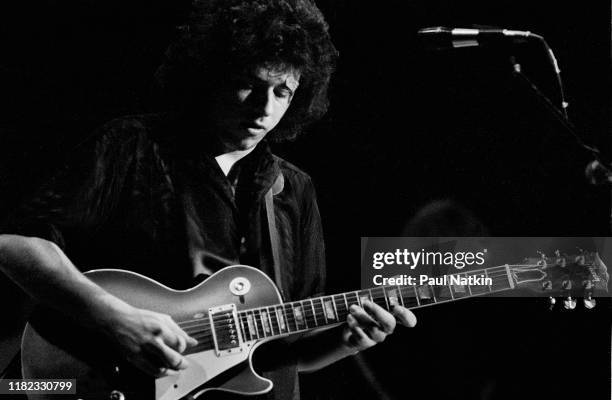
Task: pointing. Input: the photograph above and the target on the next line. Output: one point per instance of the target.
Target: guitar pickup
(225, 330)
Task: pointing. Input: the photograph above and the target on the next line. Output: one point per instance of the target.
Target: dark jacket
(146, 194)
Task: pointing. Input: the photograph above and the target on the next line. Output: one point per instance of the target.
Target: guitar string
(311, 321)
(274, 329)
(201, 327)
(380, 297)
(205, 320)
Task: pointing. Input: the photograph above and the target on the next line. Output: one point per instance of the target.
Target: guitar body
(56, 348)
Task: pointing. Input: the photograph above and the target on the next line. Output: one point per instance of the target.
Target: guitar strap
(276, 188)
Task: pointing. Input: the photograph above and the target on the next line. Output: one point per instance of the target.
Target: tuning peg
(569, 303)
(560, 259)
(551, 302)
(580, 258)
(589, 303)
(542, 261)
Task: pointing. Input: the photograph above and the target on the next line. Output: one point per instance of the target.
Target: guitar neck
(304, 315)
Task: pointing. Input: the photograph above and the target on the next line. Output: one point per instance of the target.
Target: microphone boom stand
(597, 171)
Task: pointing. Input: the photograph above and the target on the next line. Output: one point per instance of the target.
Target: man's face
(250, 106)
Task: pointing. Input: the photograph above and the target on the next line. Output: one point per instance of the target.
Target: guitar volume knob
(240, 286)
(569, 303)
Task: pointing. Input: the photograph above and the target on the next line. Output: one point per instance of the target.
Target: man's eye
(283, 93)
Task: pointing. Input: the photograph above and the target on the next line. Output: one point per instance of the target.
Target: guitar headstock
(568, 276)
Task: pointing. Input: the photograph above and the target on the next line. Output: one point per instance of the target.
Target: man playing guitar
(178, 196)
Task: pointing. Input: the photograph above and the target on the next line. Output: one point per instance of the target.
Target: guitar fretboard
(298, 316)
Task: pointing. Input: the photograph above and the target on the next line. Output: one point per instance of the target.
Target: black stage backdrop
(407, 129)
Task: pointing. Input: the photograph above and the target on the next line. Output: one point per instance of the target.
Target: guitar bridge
(225, 329)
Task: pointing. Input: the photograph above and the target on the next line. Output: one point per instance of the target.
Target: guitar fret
(307, 316)
(260, 332)
(468, 286)
(271, 317)
(500, 281)
(330, 309)
(425, 294)
(402, 289)
(416, 296)
(319, 314)
(360, 298)
(399, 291)
(335, 309)
(314, 313)
(376, 299)
(351, 302)
(323, 310)
(243, 331)
(255, 327)
(299, 316)
(342, 310)
(487, 280)
(476, 289)
(288, 314)
(391, 295)
(260, 320)
(286, 317)
(459, 290)
(496, 281)
(396, 298)
(249, 327)
(367, 295)
(282, 325)
(386, 299)
(406, 294)
(264, 322)
(271, 314)
(510, 280)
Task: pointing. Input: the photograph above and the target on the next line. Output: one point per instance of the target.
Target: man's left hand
(371, 324)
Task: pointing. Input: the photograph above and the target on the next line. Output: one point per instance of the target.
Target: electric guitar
(239, 308)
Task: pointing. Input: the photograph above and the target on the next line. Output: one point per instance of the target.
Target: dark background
(406, 127)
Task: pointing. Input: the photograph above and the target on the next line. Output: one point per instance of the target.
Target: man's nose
(264, 102)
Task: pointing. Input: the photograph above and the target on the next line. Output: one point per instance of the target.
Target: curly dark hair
(224, 37)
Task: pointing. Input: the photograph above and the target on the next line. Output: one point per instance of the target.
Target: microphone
(442, 38)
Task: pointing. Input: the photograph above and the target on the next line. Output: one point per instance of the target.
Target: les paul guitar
(239, 307)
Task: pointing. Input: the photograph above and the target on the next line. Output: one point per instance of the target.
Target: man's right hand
(151, 341)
